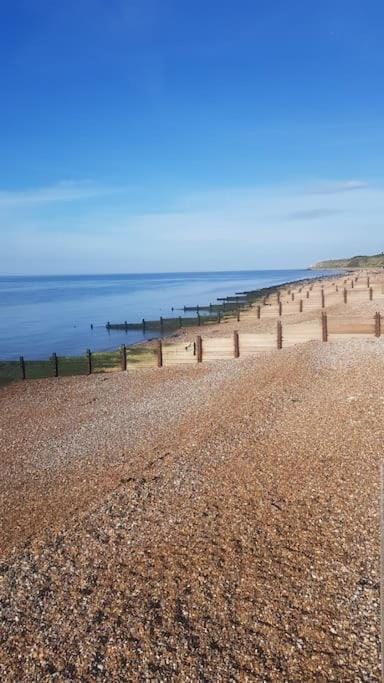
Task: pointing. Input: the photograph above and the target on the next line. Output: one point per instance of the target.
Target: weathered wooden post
(352, 284)
(278, 296)
(218, 317)
(238, 315)
(22, 367)
(265, 301)
(236, 345)
(371, 294)
(55, 362)
(377, 324)
(258, 312)
(279, 335)
(143, 324)
(345, 295)
(161, 326)
(322, 299)
(199, 348)
(368, 281)
(280, 309)
(293, 296)
(300, 306)
(159, 353)
(307, 293)
(123, 357)
(324, 326)
(88, 355)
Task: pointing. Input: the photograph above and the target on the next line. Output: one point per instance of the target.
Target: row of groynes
(142, 355)
(123, 357)
(207, 314)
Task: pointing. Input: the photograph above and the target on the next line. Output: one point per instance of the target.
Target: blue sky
(163, 135)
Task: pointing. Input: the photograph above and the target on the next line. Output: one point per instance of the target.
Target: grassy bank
(374, 261)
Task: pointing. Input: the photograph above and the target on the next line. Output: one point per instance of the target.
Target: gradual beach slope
(211, 523)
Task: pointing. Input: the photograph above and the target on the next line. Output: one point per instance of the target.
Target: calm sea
(39, 315)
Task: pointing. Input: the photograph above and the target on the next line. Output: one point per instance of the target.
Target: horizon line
(160, 272)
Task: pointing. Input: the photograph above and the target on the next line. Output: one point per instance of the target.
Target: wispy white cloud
(65, 191)
(260, 227)
(312, 214)
(337, 186)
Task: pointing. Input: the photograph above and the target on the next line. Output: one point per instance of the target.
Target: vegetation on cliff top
(374, 261)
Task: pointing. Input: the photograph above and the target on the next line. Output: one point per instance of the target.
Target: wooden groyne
(341, 309)
(167, 324)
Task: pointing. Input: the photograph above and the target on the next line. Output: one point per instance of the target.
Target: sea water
(40, 315)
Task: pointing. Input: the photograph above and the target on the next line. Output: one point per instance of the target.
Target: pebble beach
(213, 522)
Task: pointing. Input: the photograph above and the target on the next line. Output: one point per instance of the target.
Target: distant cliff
(375, 261)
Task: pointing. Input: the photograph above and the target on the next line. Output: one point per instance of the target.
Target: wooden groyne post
(159, 353)
(22, 367)
(199, 348)
(324, 327)
(279, 335)
(236, 344)
(55, 362)
(377, 325)
(123, 357)
(88, 355)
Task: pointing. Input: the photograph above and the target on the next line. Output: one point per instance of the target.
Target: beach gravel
(212, 523)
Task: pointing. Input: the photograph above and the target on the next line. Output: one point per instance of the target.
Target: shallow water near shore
(44, 314)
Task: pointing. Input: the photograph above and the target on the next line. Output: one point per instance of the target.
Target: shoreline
(172, 519)
(172, 334)
(257, 293)
(259, 328)
(166, 520)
